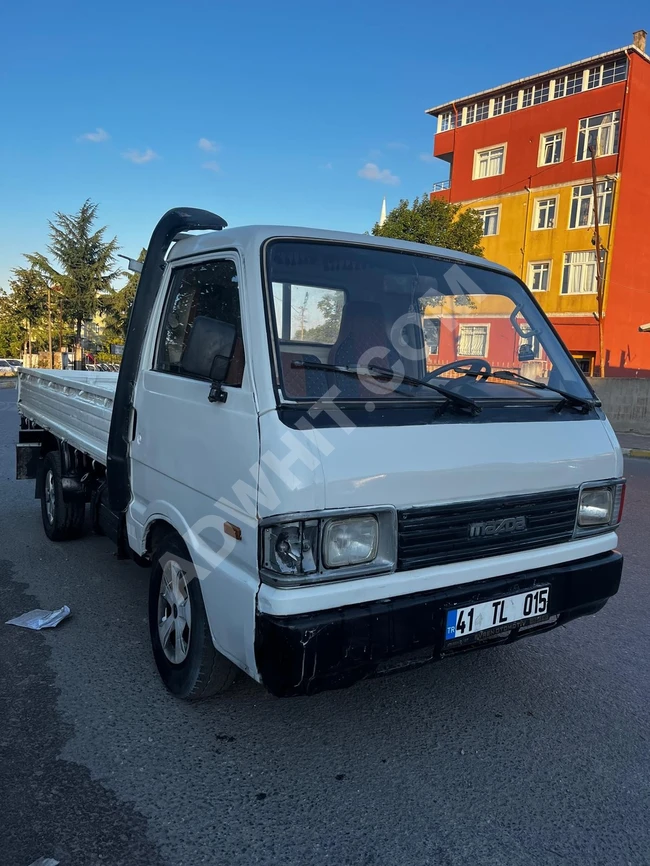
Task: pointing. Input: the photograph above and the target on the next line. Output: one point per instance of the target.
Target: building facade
(523, 156)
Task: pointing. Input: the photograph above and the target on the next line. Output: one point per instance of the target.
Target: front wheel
(185, 656)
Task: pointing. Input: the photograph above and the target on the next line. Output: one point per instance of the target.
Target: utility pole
(599, 265)
(49, 326)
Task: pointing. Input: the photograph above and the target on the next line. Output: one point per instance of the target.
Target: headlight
(600, 506)
(350, 541)
(326, 546)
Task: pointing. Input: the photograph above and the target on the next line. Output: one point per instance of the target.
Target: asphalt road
(535, 753)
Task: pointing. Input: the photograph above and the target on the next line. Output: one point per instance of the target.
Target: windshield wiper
(384, 373)
(572, 399)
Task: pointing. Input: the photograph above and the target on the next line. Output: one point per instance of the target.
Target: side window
(208, 289)
(308, 314)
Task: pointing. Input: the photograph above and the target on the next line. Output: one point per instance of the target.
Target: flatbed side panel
(74, 406)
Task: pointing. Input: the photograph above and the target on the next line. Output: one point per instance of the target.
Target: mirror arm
(217, 394)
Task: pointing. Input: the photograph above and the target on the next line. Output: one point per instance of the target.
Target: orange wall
(521, 130)
(628, 298)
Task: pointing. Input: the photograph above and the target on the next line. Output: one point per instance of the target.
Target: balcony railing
(442, 184)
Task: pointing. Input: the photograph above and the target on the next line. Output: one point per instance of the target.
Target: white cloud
(374, 154)
(397, 145)
(208, 146)
(370, 171)
(98, 135)
(427, 157)
(140, 156)
(328, 166)
(212, 165)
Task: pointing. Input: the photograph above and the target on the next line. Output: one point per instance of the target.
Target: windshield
(427, 318)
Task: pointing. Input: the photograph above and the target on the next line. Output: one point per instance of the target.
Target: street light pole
(49, 326)
(599, 268)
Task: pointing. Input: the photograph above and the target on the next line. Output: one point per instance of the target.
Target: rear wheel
(62, 521)
(185, 656)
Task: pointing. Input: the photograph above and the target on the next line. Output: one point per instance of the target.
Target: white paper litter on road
(45, 861)
(38, 619)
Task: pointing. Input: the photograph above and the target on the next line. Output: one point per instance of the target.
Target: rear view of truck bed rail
(75, 406)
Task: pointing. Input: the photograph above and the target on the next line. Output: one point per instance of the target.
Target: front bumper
(332, 649)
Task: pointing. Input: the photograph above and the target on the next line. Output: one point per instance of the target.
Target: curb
(636, 452)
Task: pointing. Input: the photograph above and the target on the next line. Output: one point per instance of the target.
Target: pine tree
(85, 264)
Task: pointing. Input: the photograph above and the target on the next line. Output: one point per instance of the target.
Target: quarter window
(208, 289)
(582, 205)
(545, 213)
(579, 274)
(538, 276)
(490, 217)
(489, 163)
(473, 340)
(600, 133)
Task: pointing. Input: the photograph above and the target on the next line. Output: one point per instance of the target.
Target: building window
(473, 340)
(615, 71)
(488, 163)
(541, 93)
(558, 90)
(582, 205)
(530, 349)
(607, 73)
(482, 110)
(538, 276)
(512, 100)
(544, 215)
(470, 113)
(490, 218)
(579, 274)
(595, 77)
(574, 83)
(431, 328)
(600, 133)
(447, 121)
(527, 98)
(551, 146)
(498, 105)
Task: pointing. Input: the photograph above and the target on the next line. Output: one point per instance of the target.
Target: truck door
(187, 452)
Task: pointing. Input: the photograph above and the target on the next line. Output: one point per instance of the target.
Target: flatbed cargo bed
(74, 405)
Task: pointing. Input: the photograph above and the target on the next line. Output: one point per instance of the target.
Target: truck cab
(340, 454)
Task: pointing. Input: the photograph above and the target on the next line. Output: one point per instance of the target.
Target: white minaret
(382, 218)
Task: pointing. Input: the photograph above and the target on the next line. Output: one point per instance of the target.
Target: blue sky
(289, 100)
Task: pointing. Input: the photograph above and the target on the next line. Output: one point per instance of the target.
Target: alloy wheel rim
(174, 613)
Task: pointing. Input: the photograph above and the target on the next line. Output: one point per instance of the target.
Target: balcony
(441, 185)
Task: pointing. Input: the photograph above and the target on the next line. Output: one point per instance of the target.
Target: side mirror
(208, 353)
(526, 352)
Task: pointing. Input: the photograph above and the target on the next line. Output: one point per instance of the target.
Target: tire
(187, 661)
(62, 521)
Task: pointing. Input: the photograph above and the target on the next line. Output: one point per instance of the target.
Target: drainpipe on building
(599, 264)
(523, 247)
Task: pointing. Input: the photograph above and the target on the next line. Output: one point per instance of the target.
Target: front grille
(442, 533)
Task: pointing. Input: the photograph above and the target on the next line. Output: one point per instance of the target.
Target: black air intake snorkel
(169, 227)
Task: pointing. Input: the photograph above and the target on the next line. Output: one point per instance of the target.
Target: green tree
(27, 303)
(331, 307)
(85, 264)
(116, 305)
(435, 222)
(12, 330)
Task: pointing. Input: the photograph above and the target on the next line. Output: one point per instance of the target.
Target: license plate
(502, 614)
